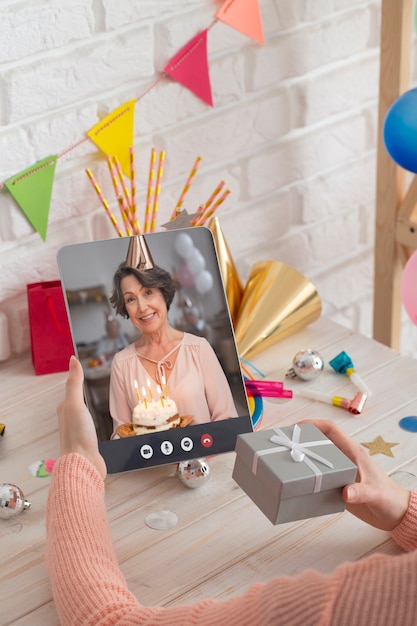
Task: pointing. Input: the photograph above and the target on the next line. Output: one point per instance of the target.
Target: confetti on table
(379, 446)
(41, 468)
(161, 520)
(409, 423)
(408, 480)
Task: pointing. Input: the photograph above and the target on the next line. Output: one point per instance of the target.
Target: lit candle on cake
(164, 384)
(135, 382)
(150, 388)
(159, 390)
(144, 397)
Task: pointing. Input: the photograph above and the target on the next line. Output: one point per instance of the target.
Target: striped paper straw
(104, 202)
(123, 183)
(204, 217)
(202, 208)
(124, 210)
(157, 189)
(133, 208)
(147, 220)
(187, 186)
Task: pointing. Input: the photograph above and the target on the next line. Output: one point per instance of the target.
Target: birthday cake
(154, 416)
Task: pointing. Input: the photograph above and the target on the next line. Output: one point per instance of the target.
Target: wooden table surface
(222, 542)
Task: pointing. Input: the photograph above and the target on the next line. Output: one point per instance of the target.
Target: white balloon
(196, 262)
(184, 245)
(204, 282)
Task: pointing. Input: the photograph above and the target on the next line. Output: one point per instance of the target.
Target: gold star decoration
(379, 446)
(183, 220)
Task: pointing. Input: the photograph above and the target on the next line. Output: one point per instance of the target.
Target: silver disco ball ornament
(193, 473)
(12, 501)
(307, 365)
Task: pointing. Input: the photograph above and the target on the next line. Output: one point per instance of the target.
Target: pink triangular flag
(244, 16)
(190, 67)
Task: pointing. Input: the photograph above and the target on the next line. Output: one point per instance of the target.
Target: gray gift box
(286, 486)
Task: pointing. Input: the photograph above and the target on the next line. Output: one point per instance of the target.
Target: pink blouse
(196, 382)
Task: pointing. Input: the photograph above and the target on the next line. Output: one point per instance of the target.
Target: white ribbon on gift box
(299, 452)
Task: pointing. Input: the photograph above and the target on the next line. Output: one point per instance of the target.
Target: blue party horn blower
(342, 364)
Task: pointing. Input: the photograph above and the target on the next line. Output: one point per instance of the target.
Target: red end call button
(206, 441)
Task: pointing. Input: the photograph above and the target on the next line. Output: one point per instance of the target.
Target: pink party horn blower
(342, 363)
(268, 389)
(354, 406)
(275, 389)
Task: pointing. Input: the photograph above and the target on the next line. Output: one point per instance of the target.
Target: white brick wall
(292, 132)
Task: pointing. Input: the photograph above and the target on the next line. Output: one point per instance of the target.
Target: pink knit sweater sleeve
(89, 588)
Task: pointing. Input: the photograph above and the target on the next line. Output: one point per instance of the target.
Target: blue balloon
(400, 131)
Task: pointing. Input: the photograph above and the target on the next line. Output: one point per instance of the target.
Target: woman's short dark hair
(156, 277)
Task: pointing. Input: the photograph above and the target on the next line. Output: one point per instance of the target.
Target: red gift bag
(50, 333)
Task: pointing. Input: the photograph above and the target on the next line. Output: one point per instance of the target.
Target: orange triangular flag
(114, 134)
(243, 15)
(190, 67)
(32, 190)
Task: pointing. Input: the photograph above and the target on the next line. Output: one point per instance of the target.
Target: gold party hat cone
(277, 302)
(232, 283)
(138, 254)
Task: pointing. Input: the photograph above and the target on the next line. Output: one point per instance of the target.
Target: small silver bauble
(12, 501)
(193, 473)
(307, 365)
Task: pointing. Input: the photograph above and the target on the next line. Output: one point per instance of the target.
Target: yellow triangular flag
(32, 190)
(114, 134)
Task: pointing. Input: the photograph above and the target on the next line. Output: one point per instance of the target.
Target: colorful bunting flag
(244, 16)
(32, 190)
(190, 67)
(114, 134)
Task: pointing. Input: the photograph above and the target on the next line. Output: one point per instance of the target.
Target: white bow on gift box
(299, 452)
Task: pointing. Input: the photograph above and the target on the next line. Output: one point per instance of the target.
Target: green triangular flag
(32, 190)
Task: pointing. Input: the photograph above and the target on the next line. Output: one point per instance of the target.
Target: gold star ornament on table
(379, 446)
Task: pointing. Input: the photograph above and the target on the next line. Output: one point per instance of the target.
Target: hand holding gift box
(292, 473)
